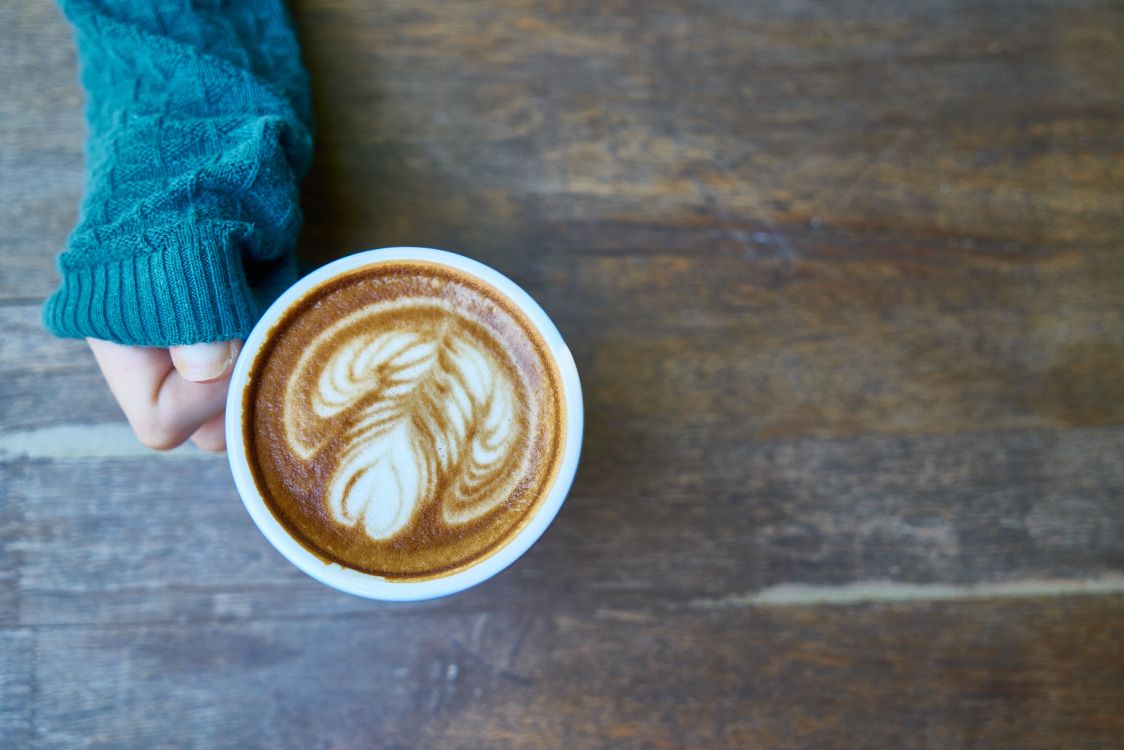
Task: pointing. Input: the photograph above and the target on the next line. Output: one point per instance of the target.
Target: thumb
(203, 363)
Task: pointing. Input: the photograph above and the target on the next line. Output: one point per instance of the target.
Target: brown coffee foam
(295, 488)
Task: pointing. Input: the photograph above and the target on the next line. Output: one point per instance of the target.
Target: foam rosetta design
(419, 405)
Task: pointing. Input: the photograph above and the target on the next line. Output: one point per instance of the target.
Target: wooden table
(845, 285)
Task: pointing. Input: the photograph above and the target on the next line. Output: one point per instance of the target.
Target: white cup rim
(364, 584)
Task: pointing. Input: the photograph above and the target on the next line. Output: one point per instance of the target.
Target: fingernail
(203, 361)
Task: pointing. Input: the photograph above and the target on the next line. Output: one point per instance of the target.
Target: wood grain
(161, 540)
(41, 139)
(1033, 674)
(47, 381)
(17, 680)
(845, 286)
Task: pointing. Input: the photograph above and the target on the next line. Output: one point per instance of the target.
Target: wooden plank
(654, 520)
(17, 677)
(41, 139)
(959, 120)
(149, 528)
(75, 397)
(1024, 674)
(980, 122)
(452, 128)
(47, 381)
(26, 347)
(848, 339)
(11, 558)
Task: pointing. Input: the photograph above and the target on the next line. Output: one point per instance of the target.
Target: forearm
(199, 132)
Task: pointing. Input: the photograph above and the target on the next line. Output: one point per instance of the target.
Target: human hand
(170, 395)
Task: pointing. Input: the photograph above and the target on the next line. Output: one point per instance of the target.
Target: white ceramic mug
(365, 584)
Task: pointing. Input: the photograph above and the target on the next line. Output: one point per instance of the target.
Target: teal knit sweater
(199, 132)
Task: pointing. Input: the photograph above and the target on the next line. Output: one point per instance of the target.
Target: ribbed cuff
(188, 289)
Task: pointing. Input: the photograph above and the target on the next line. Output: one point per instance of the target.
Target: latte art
(418, 407)
(403, 420)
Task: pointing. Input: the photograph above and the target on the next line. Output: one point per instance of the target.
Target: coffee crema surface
(404, 419)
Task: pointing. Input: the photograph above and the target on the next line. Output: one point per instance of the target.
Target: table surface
(845, 285)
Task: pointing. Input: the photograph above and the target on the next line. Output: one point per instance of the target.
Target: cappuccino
(404, 420)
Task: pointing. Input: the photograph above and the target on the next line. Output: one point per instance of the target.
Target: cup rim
(368, 585)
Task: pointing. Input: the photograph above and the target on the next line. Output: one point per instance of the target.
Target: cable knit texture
(199, 132)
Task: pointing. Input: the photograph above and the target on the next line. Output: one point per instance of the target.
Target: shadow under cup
(373, 586)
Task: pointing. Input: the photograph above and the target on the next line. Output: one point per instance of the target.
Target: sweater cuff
(191, 288)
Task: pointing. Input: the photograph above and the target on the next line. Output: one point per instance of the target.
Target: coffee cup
(404, 423)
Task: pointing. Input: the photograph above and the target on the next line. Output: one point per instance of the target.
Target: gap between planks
(873, 592)
(107, 440)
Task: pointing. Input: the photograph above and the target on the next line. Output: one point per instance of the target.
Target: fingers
(212, 435)
(163, 407)
(205, 363)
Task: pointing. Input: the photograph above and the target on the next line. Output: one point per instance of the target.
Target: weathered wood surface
(131, 540)
(1033, 674)
(845, 284)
